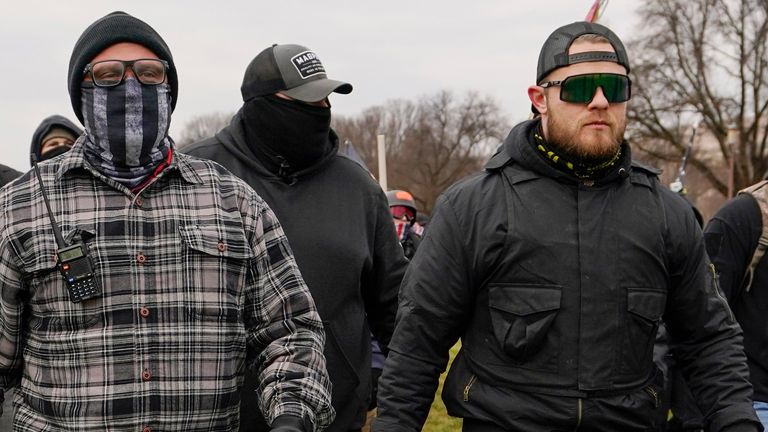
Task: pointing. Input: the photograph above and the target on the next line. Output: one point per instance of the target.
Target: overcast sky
(391, 49)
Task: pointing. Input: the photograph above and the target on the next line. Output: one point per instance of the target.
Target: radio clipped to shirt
(73, 260)
(75, 265)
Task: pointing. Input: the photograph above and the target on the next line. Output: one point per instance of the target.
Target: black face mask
(58, 150)
(290, 134)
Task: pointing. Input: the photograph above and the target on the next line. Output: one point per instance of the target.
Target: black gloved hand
(288, 423)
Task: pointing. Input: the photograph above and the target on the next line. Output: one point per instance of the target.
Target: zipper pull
(468, 386)
(654, 394)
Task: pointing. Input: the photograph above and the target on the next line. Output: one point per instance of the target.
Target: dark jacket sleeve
(436, 298)
(731, 238)
(381, 281)
(704, 336)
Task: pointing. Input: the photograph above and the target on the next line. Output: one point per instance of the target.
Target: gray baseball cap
(554, 52)
(291, 69)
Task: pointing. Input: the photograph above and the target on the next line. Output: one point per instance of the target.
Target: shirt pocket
(52, 310)
(645, 308)
(522, 315)
(217, 257)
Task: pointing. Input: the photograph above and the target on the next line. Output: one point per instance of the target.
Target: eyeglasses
(109, 73)
(399, 212)
(581, 88)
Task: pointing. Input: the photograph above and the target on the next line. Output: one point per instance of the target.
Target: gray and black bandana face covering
(127, 129)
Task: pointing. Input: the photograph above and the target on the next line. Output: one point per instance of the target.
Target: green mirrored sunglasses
(581, 88)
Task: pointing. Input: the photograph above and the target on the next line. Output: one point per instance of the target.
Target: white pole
(382, 161)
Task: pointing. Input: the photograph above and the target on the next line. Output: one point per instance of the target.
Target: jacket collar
(516, 149)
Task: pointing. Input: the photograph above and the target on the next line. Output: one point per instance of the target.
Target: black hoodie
(338, 224)
(8, 174)
(54, 121)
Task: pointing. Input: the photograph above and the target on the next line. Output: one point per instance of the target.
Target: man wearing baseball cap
(335, 216)
(155, 279)
(555, 266)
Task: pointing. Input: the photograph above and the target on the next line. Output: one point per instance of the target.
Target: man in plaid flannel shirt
(198, 282)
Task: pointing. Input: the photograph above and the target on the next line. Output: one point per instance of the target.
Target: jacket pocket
(217, 255)
(521, 316)
(645, 308)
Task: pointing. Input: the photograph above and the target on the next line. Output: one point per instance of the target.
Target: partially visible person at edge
(197, 283)
(402, 206)
(8, 174)
(403, 209)
(555, 267)
(334, 214)
(55, 135)
(732, 236)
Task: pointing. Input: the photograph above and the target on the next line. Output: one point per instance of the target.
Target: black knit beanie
(105, 32)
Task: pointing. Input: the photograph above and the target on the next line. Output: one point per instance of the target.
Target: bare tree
(203, 126)
(703, 60)
(431, 143)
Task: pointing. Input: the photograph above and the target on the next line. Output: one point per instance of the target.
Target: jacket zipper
(472, 380)
(654, 394)
(718, 292)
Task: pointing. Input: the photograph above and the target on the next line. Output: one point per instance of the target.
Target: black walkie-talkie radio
(73, 261)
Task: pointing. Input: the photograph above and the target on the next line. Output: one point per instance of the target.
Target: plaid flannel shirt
(198, 281)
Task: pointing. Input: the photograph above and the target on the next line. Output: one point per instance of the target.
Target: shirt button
(144, 312)
(146, 375)
(141, 258)
(139, 202)
(221, 246)
(146, 429)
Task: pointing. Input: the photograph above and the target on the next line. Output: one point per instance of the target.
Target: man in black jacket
(555, 267)
(731, 238)
(334, 215)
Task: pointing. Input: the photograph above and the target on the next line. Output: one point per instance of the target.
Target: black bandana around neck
(127, 129)
(581, 170)
(287, 136)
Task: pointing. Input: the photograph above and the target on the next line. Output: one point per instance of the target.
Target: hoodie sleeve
(381, 283)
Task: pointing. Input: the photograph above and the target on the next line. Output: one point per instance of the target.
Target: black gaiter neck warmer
(287, 136)
(581, 169)
(127, 129)
(56, 151)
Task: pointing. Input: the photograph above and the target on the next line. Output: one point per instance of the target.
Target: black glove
(288, 423)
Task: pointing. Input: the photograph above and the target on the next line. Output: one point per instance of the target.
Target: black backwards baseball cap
(554, 52)
(294, 70)
(107, 31)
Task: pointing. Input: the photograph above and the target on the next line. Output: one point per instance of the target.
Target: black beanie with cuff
(111, 29)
